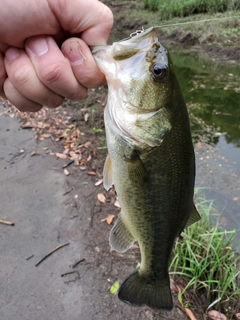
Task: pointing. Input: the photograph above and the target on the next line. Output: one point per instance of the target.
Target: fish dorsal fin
(107, 174)
(194, 217)
(120, 239)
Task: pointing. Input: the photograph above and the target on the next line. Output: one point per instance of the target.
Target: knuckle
(52, 73)
(20, 77)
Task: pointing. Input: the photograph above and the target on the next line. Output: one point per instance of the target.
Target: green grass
(168, 9)
(206, 259)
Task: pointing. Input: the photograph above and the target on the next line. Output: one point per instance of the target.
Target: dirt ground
(55, 200)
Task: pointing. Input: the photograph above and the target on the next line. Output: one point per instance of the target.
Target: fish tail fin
(137, 291)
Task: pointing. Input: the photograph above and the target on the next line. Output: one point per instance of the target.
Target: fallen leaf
(101, 197)
(215, 315)
(173, 286)
(33, 153)
(116, 203)
(190, 314)
(109, 218)
(61, 155)
(66, 172)
(91, 173)
(86, 117)
(99, 182)
(235, 198)
(114, 288)
(87, 144)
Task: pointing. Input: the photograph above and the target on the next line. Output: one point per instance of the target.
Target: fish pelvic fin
(120, 238)
(138, 291)
(194, 217)
(107, 174)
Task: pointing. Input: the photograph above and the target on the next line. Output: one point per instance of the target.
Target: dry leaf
(215, 315)
(101, 197)
(87, 144)
(116, 203)
(91, 173)
(33, 153)
(61, 155)
(66, 172)
(190, 314)
(235, 198)
(173, 286)
(86, 117)
(109, 218)
(99, 182)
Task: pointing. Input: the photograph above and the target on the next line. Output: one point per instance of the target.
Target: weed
(174, 8)
(206, 259)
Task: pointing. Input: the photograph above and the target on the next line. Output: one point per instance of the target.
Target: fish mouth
(133, 38)
(139, 40)
(138, 44)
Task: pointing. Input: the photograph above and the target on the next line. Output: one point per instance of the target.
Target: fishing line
(135, 33)
(190, 22)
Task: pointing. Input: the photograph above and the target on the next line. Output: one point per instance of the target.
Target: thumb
(91, 19)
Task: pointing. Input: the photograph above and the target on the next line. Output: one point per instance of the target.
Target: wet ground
(50, 208)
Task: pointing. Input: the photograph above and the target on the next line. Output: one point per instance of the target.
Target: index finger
(91, 19)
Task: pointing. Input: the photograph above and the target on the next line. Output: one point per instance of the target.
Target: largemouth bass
(151, 161)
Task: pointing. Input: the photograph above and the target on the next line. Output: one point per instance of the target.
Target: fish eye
(159, 71)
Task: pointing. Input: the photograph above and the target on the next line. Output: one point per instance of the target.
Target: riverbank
(215, 35)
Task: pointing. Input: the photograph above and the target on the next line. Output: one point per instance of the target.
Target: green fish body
(151, 161)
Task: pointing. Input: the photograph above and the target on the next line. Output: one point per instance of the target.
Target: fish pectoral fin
(137, 290)
(136, 169)
(107, 174)
(120, 238)
(194, 217)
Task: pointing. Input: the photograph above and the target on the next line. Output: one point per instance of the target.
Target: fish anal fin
(107, 174)
(137, 290)
(194, 217)
(120, 239)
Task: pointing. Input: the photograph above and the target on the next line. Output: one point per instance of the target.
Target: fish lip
(138, 34)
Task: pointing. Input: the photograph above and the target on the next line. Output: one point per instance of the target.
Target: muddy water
(212, 93)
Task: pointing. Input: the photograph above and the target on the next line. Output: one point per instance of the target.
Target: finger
(18, 100)
(24, 79)
(3, 75)
(53, 69)
(83, 63)
(93, 21)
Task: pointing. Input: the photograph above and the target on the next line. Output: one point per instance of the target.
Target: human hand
(34, 71)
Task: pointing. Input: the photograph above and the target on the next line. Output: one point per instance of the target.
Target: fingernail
(38, 46)
(12, 53)
(73, 52)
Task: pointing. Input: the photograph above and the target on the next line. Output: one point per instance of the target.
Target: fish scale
(150, 161)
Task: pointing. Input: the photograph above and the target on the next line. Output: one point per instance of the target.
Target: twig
(30, 257)
(77, 263)
(9, 223)
(59, 247)
(65, 193)
(67, 164)
(66, 273)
